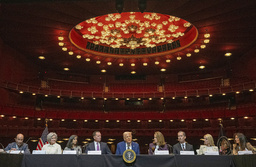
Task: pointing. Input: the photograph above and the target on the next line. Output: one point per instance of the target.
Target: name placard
(244, 152)
(94, 153)
(16, 152)
(161, 152)
(211, 153)
(187, 153)
(69, 152)
(38, 152)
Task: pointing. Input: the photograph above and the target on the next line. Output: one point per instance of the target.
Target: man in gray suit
(182, 145)
(97, 145)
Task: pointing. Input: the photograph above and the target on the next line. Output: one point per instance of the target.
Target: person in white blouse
(52, 147)
(208, 145)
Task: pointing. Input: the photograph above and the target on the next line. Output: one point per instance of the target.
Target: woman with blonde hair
(208, 145)
(158, 143)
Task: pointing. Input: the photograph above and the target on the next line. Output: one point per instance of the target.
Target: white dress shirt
(183, 146)
(129, 145)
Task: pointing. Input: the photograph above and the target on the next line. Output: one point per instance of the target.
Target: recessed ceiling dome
(133, 34)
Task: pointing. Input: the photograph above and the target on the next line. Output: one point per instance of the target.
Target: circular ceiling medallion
(133, 35)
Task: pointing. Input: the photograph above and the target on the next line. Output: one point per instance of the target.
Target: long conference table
(11, 160)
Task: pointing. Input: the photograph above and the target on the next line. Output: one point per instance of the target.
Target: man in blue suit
(127, 144)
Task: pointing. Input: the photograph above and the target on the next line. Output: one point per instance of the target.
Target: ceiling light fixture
(206, 40)
(201, 67)
(64, 49)
(41, 57)
(60, 38)
(168, 60)
(196, 50)
(203, 46)
(207, 35)
(228, 54)
(61, 43)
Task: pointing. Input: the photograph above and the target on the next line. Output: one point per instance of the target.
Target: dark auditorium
(143, 83)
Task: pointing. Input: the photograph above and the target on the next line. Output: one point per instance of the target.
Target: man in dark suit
(18, 145)
(97, 145)
(182, 145)
(127, 144)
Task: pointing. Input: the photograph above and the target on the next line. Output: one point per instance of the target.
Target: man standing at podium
(97, 145)
(182, 145)
(127, 144)
(18, 145)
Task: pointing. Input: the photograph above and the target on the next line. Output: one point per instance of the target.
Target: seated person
(52, 147)
(182, 145)
(241, 144)
(18, 144)
(127, 144)
(208, 145)
(97, 145)
(158, 143)
(72, 144)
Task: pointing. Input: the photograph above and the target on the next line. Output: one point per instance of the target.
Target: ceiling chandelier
(132, 29)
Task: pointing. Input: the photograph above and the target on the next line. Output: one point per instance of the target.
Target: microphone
(3, 148)
(23, 145)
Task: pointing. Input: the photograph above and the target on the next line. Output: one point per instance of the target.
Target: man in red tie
(97, 145)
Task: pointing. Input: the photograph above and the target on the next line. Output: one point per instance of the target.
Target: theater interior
(132, 65)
